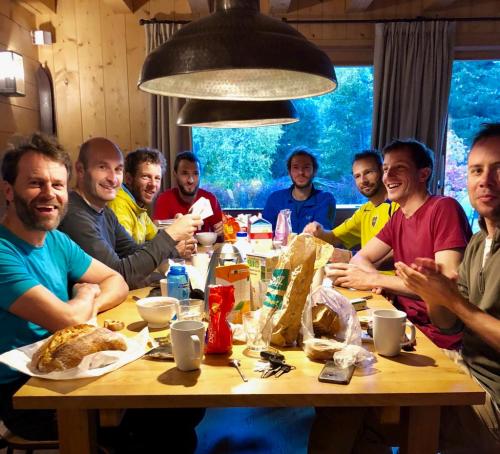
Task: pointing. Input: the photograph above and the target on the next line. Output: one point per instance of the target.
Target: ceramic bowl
(158, 311)
(206, 238)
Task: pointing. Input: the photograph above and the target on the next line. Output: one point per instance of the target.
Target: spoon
(236, 363)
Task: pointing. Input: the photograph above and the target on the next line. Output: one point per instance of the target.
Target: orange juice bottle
(231, 228)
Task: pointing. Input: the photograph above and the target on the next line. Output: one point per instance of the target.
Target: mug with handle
(389, 327)
(188, 338)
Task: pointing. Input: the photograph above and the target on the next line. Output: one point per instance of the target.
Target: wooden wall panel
(90, 68)
(114, 56)
(19, 114)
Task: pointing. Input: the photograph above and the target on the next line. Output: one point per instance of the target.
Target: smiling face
(402, 179)
(301, 171)
(483, 180)
(39, 195)
(102, 175)
(145, 184)
(188, 177)
(368, 177)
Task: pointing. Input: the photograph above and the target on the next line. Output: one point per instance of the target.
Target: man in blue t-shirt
(306, 203)
(46, 281)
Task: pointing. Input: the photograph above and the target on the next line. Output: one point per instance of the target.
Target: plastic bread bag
(290, 283)
(331, 328)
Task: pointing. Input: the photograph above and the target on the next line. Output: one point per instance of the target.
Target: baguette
(67, 347)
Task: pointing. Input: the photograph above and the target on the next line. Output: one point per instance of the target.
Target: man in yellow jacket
(144, 168)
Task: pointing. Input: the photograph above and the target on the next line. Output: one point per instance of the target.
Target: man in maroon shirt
(426, 226)
(180, 200)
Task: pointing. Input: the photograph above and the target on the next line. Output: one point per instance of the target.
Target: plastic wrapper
(220, 304)
(290, 283)
(344, 345)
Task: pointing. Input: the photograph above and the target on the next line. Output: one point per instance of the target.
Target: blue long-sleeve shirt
(319, 207)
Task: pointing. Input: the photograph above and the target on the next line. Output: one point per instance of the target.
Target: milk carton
(261, 235)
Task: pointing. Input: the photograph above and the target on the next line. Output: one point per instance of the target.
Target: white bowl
(206, 238)
(158, 311)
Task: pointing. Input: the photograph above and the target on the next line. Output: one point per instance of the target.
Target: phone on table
(331, 373)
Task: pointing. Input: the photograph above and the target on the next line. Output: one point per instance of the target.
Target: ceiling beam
(121, 6)
(279, 6)
(437, 4)
(201, 7)
(40, 7)
(357, 5)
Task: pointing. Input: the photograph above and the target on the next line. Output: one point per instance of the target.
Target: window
(243, 166)
(474, 99)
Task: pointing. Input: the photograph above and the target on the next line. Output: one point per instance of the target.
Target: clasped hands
(351, 276)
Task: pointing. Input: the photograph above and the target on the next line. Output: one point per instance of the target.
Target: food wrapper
(202, 208)
(287, 292)
(94, 365)
(220, 304)
(344, 346)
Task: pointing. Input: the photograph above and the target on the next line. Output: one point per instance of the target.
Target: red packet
(220, 304)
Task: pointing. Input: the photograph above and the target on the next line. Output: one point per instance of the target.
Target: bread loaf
(67, 347)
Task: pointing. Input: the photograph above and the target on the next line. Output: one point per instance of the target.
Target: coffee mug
(389, 326)
(188, 337)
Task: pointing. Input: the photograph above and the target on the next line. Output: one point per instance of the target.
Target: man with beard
(370, 217)
(306, 203)
(94, 226)
(471, 300)
(425, 226)
(144, 168)
(46, 281)
(179, 200)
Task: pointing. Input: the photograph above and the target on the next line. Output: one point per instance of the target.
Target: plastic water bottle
(178, 282)
(242, 244)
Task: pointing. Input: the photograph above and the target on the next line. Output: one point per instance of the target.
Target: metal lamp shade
(239, 54)
(236, 114)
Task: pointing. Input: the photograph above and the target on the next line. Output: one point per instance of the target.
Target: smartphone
(334, 374)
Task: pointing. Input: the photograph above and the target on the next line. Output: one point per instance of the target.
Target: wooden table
(420, 382)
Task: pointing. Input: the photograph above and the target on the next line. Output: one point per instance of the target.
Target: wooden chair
(12, 441)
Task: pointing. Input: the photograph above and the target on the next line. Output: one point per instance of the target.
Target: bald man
(94, 226)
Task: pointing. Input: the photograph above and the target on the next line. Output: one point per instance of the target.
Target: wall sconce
(11, 74)
(41, 37)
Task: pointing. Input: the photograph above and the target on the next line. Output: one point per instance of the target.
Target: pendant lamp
(236, 114)
(237, 53)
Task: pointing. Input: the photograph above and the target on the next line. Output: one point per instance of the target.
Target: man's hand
(424, 277)
(186, 248)
(184, 227)
(351, 276)
(314, 228)
(219, 228)
(86, 291)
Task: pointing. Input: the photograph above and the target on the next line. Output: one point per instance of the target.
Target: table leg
(421, 426)
(77, 431)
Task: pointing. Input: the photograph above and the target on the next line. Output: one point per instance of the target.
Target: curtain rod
(344, 21)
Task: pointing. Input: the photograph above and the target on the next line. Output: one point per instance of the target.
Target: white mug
(188, 340)
(389, 326)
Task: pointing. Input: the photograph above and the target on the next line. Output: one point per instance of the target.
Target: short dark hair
(368, 154)
(487, 131)
(186, 156)
(149, 155)
(302, 151)
(420, 154)
(37, 142)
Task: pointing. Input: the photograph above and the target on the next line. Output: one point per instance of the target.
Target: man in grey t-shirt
(94, 226)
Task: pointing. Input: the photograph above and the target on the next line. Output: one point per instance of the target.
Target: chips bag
(220, 304)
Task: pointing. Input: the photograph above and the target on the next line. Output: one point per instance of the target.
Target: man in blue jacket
(306, 203)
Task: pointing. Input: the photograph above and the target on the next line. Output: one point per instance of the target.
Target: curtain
(164, 134)
(412, 76)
